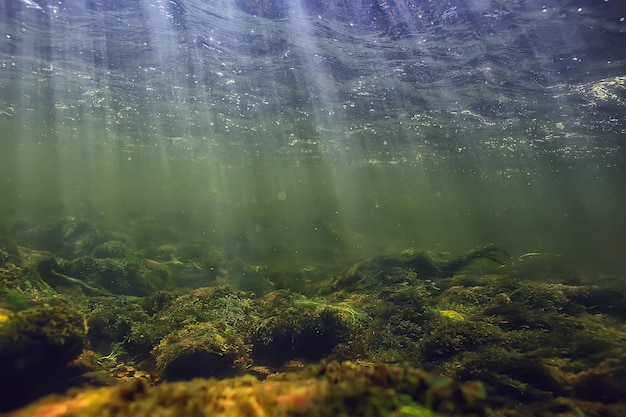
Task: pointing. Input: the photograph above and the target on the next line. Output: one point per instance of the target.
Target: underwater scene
(322, 208)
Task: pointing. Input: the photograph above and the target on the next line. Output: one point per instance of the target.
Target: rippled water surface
(310, 131)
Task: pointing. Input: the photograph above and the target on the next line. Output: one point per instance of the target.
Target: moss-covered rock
(110, 321)
(424, 264)
(295, 327)
(446, 336)
(35, 347)
(9, 253)
(106, 276)
(171, 312)
(69, 236)
(202, 350)
(113, 249)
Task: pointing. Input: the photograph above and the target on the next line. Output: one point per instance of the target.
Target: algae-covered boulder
(35, 347)
(104, 276)
(110, 321)
(9, 253)
(69, 236)
(170, 312)
(202, 350)
(296, 327)
(425, 265)
(112, 249)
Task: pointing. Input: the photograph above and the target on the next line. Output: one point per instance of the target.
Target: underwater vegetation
(162, 325)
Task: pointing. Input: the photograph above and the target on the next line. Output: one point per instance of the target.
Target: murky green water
(237, 189)
(322, 132)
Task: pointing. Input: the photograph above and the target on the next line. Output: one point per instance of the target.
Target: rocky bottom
(411, 334)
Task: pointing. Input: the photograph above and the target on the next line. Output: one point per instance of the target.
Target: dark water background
(308, 131)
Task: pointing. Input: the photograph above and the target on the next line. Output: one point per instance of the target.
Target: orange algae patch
(299, 397)
(253, 398)
(63, 406)
(266, 398)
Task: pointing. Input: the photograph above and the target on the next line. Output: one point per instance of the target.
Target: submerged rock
(112, 249)
(9, 253)
(104, 276)
(426, 265)
(296, 327)
(202, 350)
(36, 345)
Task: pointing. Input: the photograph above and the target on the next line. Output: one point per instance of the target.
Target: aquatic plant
(15, 300)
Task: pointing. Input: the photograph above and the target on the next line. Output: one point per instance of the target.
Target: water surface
(301, 132)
